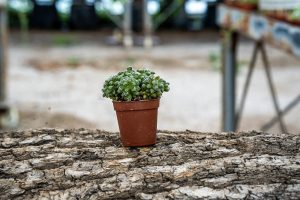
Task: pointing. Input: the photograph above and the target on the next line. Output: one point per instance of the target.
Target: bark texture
(92, 164)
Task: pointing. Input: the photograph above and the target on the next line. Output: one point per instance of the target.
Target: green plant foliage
(134, 85)
(245, 1)
(295, 14)
(248, 1)
(215, 60)
(73, 61)
(63, 40)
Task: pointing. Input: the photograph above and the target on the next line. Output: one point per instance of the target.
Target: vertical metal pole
(9, 117)
(147, 26)
(229, 50)
(127, 24)
(3, 54)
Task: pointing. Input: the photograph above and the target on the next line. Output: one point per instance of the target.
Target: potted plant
(294, 16)
(136, 96)
(285, 10)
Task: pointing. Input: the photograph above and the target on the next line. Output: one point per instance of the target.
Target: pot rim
(120, 106)
(136, 101)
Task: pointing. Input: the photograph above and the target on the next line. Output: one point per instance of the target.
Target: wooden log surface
(92, 164)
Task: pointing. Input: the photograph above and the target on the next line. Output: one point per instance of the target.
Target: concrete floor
(60, 86)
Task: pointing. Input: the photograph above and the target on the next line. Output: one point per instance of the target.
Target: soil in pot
(137, 122)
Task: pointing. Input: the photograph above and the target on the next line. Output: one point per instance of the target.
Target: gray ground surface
(56, 85)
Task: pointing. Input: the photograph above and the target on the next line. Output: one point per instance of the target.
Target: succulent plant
(134, 85)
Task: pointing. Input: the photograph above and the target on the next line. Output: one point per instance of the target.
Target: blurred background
(61, 51)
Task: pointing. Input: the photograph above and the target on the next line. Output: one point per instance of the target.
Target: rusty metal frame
(259, 46)
(284, 111)
(261, 29)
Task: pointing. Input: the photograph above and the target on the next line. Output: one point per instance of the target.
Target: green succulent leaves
(134, 85)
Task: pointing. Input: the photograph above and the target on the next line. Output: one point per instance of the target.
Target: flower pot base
(137, 122)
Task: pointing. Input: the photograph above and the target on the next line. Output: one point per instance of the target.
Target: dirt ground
(55, 80)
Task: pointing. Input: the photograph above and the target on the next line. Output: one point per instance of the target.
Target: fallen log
(92, 164)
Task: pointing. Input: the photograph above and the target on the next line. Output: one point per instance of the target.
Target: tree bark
(92, 164)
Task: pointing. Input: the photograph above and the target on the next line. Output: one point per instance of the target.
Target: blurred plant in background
(295, 14)
(160, 17)
(285, 10)
(111, 9)
(63, 40)
(215, 61)
(114, 9)
(22, 8)
(63, 8)
(93, 14)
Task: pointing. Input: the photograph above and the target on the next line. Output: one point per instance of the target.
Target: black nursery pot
(44, 17)
(83, 17)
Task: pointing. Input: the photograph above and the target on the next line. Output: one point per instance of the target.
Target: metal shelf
(259, 27)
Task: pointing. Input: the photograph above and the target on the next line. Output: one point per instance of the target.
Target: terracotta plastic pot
(246, 6)
(243, 6)
(137, 122)
(283, 16)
